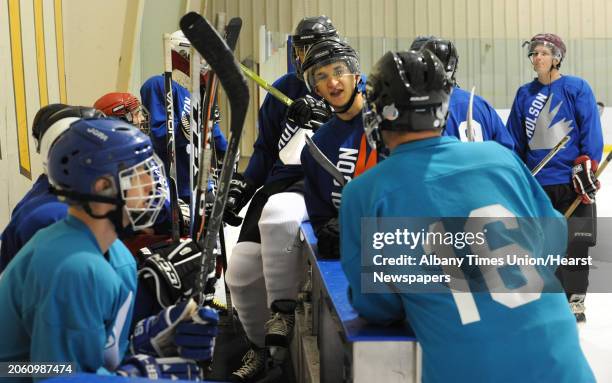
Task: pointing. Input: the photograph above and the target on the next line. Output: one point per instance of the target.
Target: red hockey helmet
(550, 40)
(125, 106)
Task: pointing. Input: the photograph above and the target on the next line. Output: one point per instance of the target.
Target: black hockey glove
(328, 240)
(170, 271)
(240, 192)
(308, 112)
(229, 216)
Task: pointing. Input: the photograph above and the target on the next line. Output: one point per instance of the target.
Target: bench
(350, 349)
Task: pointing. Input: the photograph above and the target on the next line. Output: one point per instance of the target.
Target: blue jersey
(344, 143)
(38, 209)
(40, 186)
(152, 95)
(264, 165)
(487, 123)
(489, 341)
(64, 301)
(542, 115)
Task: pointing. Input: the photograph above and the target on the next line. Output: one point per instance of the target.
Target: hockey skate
(576, 303)
(279, 329)
(253, 366)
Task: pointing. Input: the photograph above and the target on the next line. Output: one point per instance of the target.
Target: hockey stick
(323, 161)
(219, 56)
(551, 154)
(194, 130)
(170, 139)
(600, 169)
(470, 117)
(232, 33)
(269, 88)
(314, 150)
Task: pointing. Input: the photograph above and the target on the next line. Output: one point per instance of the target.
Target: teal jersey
(501, 337)
(64, 301)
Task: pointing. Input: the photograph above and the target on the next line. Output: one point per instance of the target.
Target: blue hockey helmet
(92, 149)
(406, 91)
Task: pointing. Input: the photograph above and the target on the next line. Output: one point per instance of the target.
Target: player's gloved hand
(170, 270)
(308, 112)
(195, 338)
(584, 179)
(146, 366)
(229, 216)
(328, 240)
(184, 217)
(155, 335)
(241, 190)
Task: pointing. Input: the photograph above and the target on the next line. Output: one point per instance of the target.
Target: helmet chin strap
(344, 108)
(115, 216)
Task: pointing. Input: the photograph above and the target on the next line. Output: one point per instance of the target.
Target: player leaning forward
(544, 110)
(68, 295)
(407, 97)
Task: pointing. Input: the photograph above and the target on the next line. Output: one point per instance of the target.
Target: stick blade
(206, 40)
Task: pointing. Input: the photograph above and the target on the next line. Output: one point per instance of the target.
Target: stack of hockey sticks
(206, 151)
(170, 139)
(205, 140)
(172, 268)
(205, 39)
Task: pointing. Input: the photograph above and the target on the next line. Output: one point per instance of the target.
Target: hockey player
(39, 208)
(331, 69)
(460, 335)
(486, 123)
(68, 294)
(266, 265)
(544, 111)
(125, 106)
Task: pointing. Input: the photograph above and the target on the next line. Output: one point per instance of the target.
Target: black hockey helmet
(406, 91)
(444, 49)
(326, 52)
(309, 31)
(40, 124)
(57, 123)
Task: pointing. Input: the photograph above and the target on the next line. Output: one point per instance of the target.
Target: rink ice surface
(596, 333)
